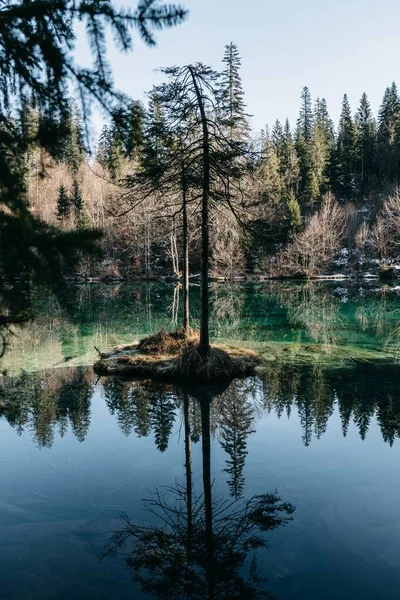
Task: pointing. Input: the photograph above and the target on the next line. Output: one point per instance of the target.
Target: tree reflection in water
(200, 546)
(49, 403)
(45, 402)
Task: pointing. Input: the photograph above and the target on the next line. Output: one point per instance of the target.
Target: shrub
(313, 249)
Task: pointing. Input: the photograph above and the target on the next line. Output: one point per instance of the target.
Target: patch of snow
(334, 276)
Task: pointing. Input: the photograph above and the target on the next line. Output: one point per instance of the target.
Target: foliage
(63, 203)
(313, 249)
(37, 64)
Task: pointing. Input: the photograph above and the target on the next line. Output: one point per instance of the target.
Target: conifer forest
(295, 199)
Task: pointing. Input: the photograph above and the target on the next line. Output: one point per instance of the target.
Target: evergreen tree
(293, 212)
(305, 122)
(77, 199)
(388, 135)
(74, 400)
(129, 122)
(110, 152)
(309, 191)
(230, 95)
(278, 139)
(168, 168)
(120, 403)
(29, 122)
(346, 153)
(323, 145)
(162, 416)
(156, 138)
(140, 402)
(72, 149)
(219, 162)
(269, 174)
(365, 145)
(235, 429)
(63, 203)
(289, 162)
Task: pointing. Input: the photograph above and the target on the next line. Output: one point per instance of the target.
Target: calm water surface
(319, 426)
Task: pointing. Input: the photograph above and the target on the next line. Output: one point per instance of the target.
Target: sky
(332, 47)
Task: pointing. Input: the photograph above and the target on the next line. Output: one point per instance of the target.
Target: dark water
(319, 427)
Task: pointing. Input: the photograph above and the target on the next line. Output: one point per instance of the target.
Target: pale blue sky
(332, 47)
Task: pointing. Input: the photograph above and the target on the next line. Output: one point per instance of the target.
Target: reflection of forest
(294, 314)
(46, 404)
(200, 546)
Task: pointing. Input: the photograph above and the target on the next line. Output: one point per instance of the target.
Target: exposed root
(217, 363)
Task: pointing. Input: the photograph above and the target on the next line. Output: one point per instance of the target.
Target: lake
(319, 427)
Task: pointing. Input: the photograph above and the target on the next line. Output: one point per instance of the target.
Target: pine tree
(75, 399)
(388, 135)
(82, 219)
(218, 160)
(29, 122)
(289, 162)
(128, 123)
(278, 139)
(345, 153)
(168, 170)
(235, 429)
(72, 149)
(77, 199)
(120, 403)
(365, 145)
(109, 151)
(140, 402)
(156, 137)
(305, 122)
(309, 191)
(323, 145)
(269, 174)
(293, 212)
(231, 107)
(63, 203)
(162, 416)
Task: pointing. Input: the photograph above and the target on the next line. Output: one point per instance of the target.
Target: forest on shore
(294, 201)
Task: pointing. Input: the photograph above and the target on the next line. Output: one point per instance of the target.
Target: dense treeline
(48, 404)
(288, 200)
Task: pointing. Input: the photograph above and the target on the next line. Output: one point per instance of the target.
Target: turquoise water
(319, 425)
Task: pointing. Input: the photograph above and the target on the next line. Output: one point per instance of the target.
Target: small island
(176, 355)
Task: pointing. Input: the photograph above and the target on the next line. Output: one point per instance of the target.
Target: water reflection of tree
(314, 309)
(360, 392)
(73, 403)
(45, 402)
(237, 416)
(227, 307)
(141, 407)
(199, 546)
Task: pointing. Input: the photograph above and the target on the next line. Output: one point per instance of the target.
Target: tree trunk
(208, 513)
(185, 254)
(188, 468)
(204, 345)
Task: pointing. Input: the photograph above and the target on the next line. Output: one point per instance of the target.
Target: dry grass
(170, 343)
(175, 356)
